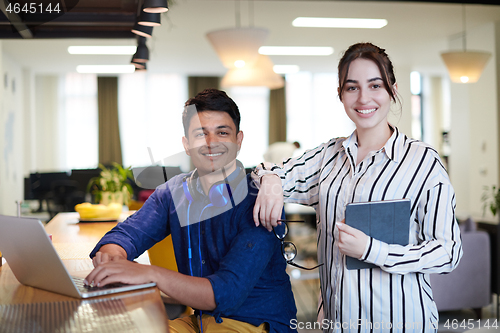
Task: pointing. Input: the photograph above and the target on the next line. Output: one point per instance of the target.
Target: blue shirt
(243, 263)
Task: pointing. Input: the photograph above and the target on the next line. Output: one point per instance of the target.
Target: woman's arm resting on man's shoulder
(269, 203)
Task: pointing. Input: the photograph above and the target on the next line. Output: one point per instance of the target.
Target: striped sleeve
(440, 249)
(300, 176)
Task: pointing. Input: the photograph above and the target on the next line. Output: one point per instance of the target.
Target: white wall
(47, 124)
(11, 134)
(402, 117)
(474, 130)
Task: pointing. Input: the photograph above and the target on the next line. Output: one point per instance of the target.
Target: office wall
(474, 131)
(48, 123)
(11, 134)
(401, 117)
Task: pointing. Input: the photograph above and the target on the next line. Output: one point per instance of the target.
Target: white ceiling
(415, 35)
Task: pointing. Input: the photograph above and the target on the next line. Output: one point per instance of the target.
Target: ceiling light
(142, 68)
(105, 69)
(142, 54)
(142, 30)
(329, 22)
(155, 6)
(285, 69)
(127, 50)
(465, 66)
(237, 44)
(239, 63)
(139, 65)
(149, 19)
(259, 74)
(296, 50)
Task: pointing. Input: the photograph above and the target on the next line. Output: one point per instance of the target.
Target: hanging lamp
(261, 73)
(465, 66)
(142, 30)
(238, 47)
(155, 6)
(142, 53)
(149, 19)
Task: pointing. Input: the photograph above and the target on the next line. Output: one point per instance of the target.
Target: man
(229, 271)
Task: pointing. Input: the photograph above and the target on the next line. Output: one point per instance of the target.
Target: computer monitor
(83, 177)
(40, 184)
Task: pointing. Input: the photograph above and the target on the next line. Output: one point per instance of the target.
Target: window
(253, 103)
(150, 111)
(314, 111)
(417, 130)
(80, 121)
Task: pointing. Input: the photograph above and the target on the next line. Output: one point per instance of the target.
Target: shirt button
(203, 232)
(203, 262)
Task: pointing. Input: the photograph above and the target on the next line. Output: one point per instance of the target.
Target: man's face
(212, 141)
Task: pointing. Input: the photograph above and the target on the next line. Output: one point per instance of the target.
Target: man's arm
(109, 252)
(195, 292)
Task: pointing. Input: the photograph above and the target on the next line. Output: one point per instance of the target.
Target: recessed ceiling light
(330, 22)
(285, 69)
(296, 50)
(105, 69)
(128, 50)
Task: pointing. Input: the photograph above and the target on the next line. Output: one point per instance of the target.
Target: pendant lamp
(142, 68)
(138, 65)
(261, 73)
(142, 30)
(237, 47)
(142, 53)
(155, 6)
(465, 66)
(149, 19)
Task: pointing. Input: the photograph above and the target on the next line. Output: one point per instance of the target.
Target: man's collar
(233, 176)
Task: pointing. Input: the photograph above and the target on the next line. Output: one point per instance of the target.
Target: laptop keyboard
(85, 288)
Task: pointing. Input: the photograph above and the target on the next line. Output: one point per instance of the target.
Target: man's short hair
(210, 100)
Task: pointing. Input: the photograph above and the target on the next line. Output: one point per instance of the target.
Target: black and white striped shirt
(398, 296)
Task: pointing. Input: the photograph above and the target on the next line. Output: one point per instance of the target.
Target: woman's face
(366, 101)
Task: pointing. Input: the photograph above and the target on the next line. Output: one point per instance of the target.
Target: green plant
(491, 199)
(114, 180)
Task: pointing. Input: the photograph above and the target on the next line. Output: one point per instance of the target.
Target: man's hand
(123, 271)
(109, 252)
(269, 203)
(352, 242)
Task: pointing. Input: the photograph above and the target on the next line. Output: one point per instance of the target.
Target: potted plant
(112, 185)
(491, 199)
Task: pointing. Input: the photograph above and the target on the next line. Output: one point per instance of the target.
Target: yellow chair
(162, 254)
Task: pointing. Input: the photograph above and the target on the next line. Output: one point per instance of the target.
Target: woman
(377, 162)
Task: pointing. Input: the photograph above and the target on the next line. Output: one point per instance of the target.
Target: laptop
(35, 262)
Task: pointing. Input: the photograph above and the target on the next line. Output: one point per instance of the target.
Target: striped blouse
(398, 296)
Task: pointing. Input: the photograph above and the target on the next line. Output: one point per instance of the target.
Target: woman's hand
(269, 203)
(352, 242)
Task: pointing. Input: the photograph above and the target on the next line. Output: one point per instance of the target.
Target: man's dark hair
(210, 100)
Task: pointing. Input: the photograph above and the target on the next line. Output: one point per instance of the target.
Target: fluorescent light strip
(296, 50)
(286, 69)
(111, 50)
(105, 69)
(329, 22)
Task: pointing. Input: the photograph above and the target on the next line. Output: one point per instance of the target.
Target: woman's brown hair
(370, 52)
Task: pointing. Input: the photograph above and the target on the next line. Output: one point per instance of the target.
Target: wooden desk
(144, 307)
